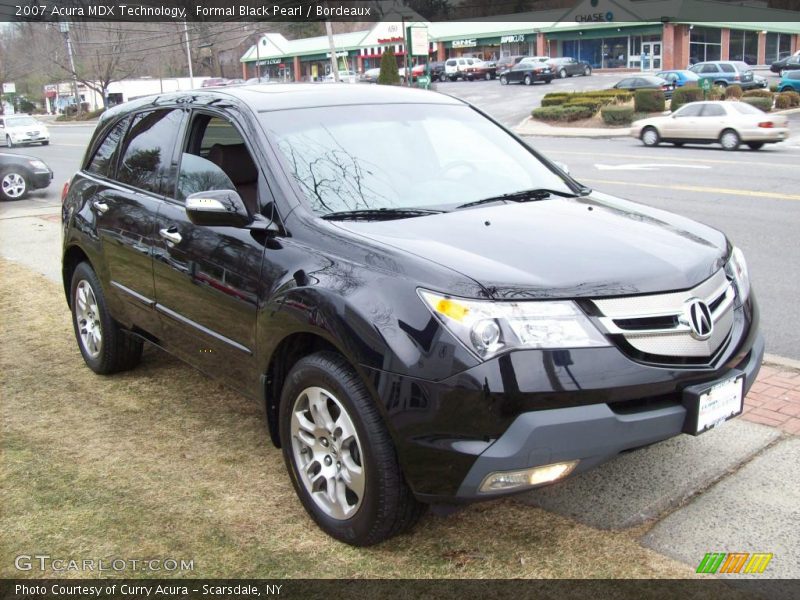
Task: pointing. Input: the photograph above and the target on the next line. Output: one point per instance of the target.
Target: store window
(705, 44)
(779, 45)
(743, 45)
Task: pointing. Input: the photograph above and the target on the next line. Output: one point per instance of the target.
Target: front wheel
(528, 80)
(587, 71)
(9, 142)
(46, 143)
(562, 74)
(442, 77)
(755, 145)
(729, 140)
(339, 454)
(650, 137)
(488, 76)
(13, 185)
(105, 346)
(503, 80)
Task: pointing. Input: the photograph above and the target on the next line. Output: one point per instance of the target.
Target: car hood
(34, 127)
(561, 247)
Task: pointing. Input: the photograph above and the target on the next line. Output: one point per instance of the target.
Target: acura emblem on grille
(699, 319)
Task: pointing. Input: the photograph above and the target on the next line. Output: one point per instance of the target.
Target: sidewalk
(774, 399)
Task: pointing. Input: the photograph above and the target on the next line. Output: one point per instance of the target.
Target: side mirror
(562, 166)
(217, 208)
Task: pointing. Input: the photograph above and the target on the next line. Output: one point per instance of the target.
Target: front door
(208, 278)
(653, 52)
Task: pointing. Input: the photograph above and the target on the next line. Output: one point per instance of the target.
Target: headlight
(488, 328)
(37, 164)
(737, 270)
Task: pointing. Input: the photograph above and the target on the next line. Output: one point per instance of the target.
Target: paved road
(753, 196)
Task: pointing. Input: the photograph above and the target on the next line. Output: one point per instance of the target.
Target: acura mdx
(428, 310)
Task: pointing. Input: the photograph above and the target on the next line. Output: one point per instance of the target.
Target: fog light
(506, 480)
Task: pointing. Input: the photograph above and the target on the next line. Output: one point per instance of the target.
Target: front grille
(657, 327)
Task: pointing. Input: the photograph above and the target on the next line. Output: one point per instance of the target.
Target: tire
(755, 145)
(587, 71)
(46, 143)
(116, 350)
(13, 184)
(442, 77)
(488, 76)
(9, 143)
(562, 74)
(722, 84)
(503, 80)
(386, 506)
(650, 136)
(528, 80)
(729, 140)
(548, 80)
(678, 144)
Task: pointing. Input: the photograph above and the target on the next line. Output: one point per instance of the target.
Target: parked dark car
(646, 82)
(680, 77)
(567, 66)
(434, 70)
(505, 63)
(528, 71)
(482, 69)
(727, 72)
(787, 63)
(20, 174)
(484, 327)
(214, 82)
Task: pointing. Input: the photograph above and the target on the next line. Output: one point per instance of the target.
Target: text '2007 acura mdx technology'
(483, 327)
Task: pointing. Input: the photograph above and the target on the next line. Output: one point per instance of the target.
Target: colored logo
(734, 562)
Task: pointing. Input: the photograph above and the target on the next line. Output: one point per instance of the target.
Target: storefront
(616, 47)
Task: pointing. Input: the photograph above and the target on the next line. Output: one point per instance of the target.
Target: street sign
(705, 84)
(423, 81)
(9, 88)
(419, 40)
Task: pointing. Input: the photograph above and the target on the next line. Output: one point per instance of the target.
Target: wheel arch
(73, 256)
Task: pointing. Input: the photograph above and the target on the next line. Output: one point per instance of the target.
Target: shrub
(794, 98)
(556, 101)
(684, 95)
(617, 115)
(389, 74)
(649, 101)
(733, 91)
(562, 113)
(716, 93)
(764, 104)
(758, 94)
(588, 103)
(773, 87)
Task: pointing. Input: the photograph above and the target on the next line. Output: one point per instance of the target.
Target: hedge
(733, 91)
(685, 95)
(649, 101)
(556, 101)
(562, 113)
(593, 104)
(758, 94)
(716, 93)
(764, 104)
(617, 115)
(787, 100)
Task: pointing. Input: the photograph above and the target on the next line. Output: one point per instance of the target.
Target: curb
(529, 127)
(781, 361)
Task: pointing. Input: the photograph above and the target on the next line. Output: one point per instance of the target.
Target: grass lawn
(163, 462)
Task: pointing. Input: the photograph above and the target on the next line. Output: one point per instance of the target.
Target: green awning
(606, 32)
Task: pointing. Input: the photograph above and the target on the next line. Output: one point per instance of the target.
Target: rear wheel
(339, 454)
(9, 142)
(562, 74)
(488, 76)
(442, 77)
(105, 346)
(503, 80)
(46, 143)
(678, 144)
(587, 71)
(528, 80)
(650, 136)
(729, 139)
(755, 145)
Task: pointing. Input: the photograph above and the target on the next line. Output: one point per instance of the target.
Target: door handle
(171, 234)
(100, 206)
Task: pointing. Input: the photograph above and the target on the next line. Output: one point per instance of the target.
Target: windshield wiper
(380, 214)
(526, 196)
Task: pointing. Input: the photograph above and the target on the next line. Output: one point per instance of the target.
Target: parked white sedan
(16, 130)
(727, 123)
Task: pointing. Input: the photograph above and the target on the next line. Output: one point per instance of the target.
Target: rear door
(712, 121)
(128, 167)
(207, 278)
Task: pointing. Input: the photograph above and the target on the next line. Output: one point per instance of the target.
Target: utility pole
(334, 59)
(258, 58)
(64, 27)
(188, 54)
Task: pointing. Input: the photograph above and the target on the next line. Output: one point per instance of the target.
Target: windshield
(20, 121)
(364, 157)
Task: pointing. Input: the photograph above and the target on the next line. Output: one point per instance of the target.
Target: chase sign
(597, 17)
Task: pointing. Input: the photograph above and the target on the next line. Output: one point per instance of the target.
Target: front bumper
(537, 407)
(30, 139)
(40, 179)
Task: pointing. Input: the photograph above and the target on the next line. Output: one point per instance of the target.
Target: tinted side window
(727, 68)
(102, 163)
(148, 147)
(709, 69)
(690, 110)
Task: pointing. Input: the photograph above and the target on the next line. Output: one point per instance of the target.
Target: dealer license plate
(720, 403)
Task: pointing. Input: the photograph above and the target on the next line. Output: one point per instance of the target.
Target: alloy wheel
(87, 315)
(13, 185)
(327, 453)
(729, 140)
(650, 137)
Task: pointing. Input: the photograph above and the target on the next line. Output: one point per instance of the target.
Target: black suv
(478, 329)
